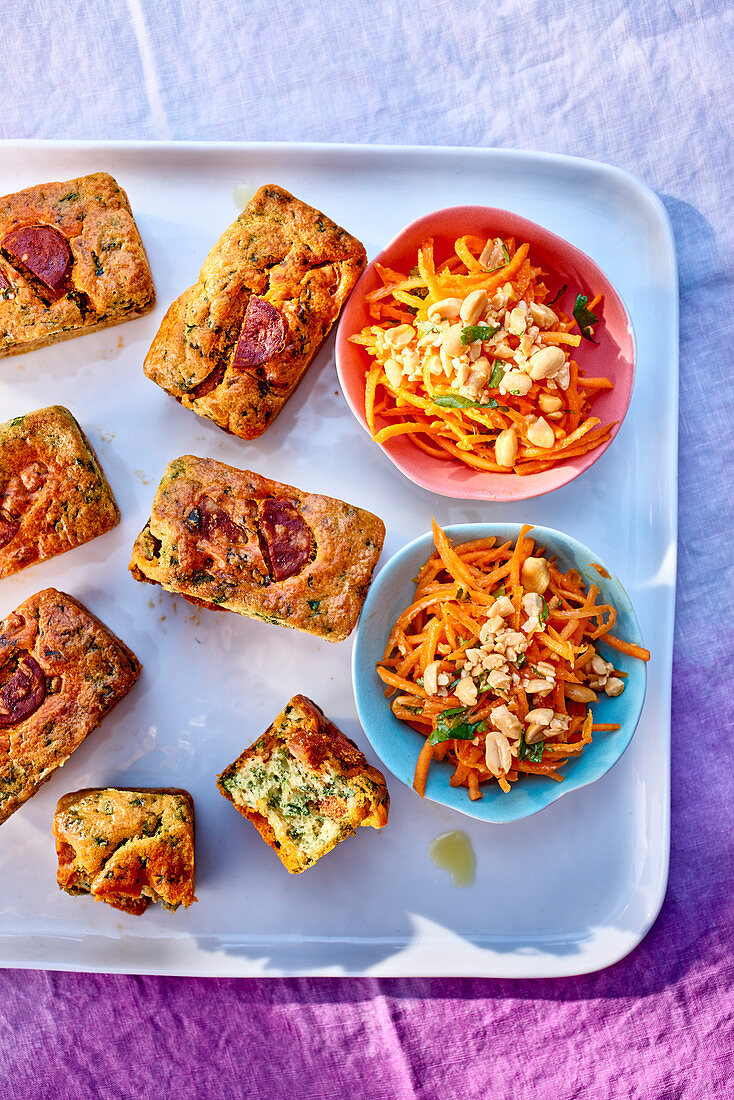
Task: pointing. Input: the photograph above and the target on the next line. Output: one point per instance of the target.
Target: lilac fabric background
(646, 86)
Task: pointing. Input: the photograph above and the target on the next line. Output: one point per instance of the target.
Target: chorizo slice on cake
(234, 346)
(234, 540)
(305, 786)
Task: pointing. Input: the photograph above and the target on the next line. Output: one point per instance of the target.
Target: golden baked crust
(234, 540)
(106, 280)
(127, 847)
(281, 252)
(53, 494)
(305, 786)
(61, 672)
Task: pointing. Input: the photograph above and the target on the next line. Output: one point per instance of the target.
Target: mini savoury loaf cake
(234, 347)
(53, 494)
(234, 540)
(61, 672)
(305, 786)
(71, 261)
(127, 848)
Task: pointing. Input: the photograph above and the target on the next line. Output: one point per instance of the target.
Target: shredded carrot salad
(496, 662)
(473, 362)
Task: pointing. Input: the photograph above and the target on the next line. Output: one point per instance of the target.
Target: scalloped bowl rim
(400, 450)
(397, 745)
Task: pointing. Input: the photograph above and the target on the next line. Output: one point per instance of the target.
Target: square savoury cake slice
(234, 540)
(61, 672)
(71, 261)
(234, 346)
(305, 786)
(127, 848)
(53, 493)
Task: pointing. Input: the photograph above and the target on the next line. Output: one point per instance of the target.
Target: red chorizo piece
(42, 251)
(23, 692)
(8, 530)
(262, 335)
(288, 539)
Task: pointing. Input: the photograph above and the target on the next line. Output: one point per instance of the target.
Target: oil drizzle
(453, 852)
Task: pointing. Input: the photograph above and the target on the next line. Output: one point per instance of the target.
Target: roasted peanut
(580, 693)
(535, 575)
(497, 753)
(466, 691)
(515, 381)
(473, 306)
(505, 448)
(451, 341)
(549, 403)
(430, 677)
(394, 372)
(546, 362)
(540, 433)
(506, 722)
(400, 336)
(534, 733)
(541, 716)
(543, 316)
(445, 310)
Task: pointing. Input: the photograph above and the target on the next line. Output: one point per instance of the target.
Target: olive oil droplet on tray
(453, 852)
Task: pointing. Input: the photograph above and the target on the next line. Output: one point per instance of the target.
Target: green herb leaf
(521, 660)
(314, 604)
(498, 373)
(461, 731)
(558, 295)
(501, 591)
(545, 612)
(584, 317)
(533, 753)
(478, 332)
(456, 401)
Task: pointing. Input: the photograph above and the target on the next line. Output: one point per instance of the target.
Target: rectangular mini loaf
(61, 672)
(53, 494)
(234, 540)
(71, 261)
(127, 847)
(305, 786)
(234, 347)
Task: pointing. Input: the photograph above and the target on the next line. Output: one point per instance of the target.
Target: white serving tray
(568, 891)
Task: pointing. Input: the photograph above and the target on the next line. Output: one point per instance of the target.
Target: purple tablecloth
(647, 86)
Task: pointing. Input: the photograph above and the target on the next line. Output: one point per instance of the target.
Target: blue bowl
(398, 745)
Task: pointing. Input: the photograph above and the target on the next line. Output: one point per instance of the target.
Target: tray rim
(580, 964)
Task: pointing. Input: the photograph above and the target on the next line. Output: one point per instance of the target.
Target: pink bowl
(613, 357)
